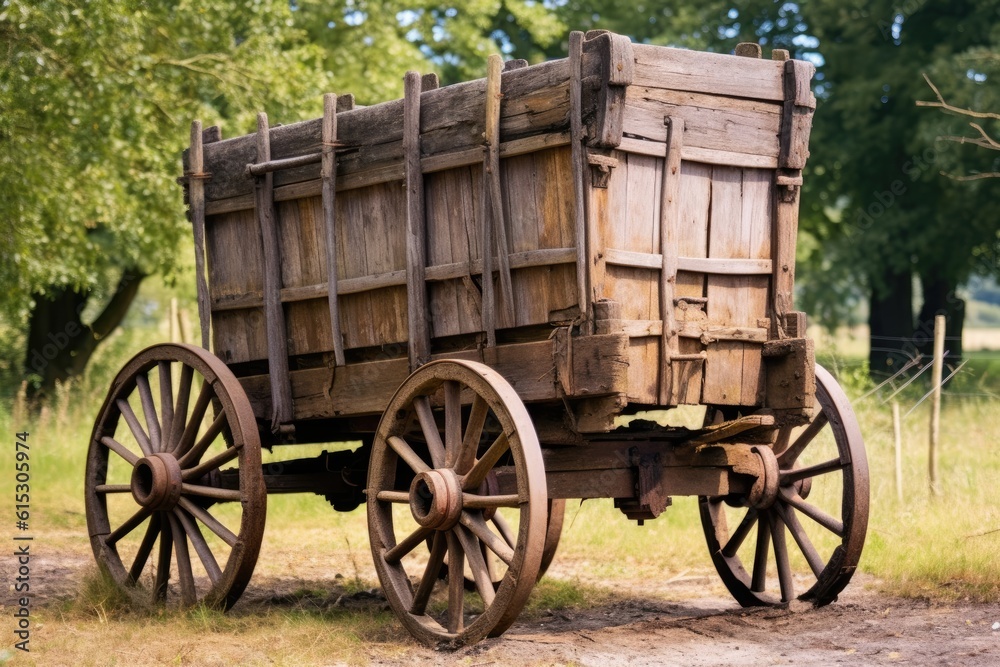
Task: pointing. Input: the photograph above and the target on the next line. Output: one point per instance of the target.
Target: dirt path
(676, 624)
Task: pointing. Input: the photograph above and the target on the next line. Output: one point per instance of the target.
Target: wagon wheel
(436, 492)
(154, 481)
(821, 499)
(553, 531)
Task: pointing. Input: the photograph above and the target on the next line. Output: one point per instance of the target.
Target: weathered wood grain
(419, 336)
(328, 175)
(274, 315)
(668, 222)
(710, 122)
(196, 213)
(714, 73)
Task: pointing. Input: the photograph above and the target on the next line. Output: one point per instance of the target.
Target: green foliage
(94, 109)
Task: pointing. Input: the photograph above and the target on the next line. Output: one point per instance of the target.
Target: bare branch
(972, 177)
(942, 104)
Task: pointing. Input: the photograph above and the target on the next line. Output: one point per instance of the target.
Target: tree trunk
(59, 344)
(891, 325)
(940, 299)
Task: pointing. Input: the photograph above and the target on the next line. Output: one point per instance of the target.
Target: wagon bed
(490, 285)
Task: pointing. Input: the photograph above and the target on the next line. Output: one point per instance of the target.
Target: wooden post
(898, 441)
(416, 250)
(669, 211)
(196, 200)
(491, 172)
(274, 314)
(936, 372)
(579, 167)
(329, 193)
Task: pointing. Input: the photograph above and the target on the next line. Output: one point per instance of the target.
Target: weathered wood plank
(277, 339)
(416, 228)
(599, 368)
(714, 265)
(583, 250)
(669, 216)
(328, 175)
(710, 122)
(196, 213)
(494, 190)
(701, 72)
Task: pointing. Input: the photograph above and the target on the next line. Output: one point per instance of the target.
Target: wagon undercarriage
(491, 293)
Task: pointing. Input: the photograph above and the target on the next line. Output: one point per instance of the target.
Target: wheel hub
(156, 481)
(436, 499)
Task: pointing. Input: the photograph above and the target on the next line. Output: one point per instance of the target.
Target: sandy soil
(675, 622)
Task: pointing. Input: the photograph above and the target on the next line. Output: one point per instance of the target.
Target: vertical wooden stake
(669, 212)
(329, 192)
(936, 372)
(274, 314)
(196, 199)
(898, 440)
(579, 168)
(491, 172)
(416, 251)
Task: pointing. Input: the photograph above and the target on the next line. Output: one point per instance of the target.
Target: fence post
(936, 371)
(898, 439)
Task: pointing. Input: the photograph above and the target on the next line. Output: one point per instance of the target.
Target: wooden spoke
(760, 556)
(473, 432)
(740, 534)
(394, 497)
(211, 464)
(181, 409)
(196, 452)
(210, 521)
(847, 469)
(453, 433)
(184, 574)
(480, 572)
(145, 548)
(113, 488)
(790, 455)
(791, 476)
(149, 410)
(133, 426)
(506, 532)
(816, 514)
(456, 584)
(497, 545)
(174, 441)
(163, 561)
(119, 449)
(408, 544)
(425, 415)
(194, 424)
(781, 558)
(439, 548)
(452, 422)
(131, 524)
(166, 404)
(474, 501)
(211, 492)
(483, 466)
(787, 516)
(405, 452)
(200, 545)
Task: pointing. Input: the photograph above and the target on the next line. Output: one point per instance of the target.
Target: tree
(95, 104)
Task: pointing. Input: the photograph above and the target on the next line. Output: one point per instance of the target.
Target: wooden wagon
(497, 288)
